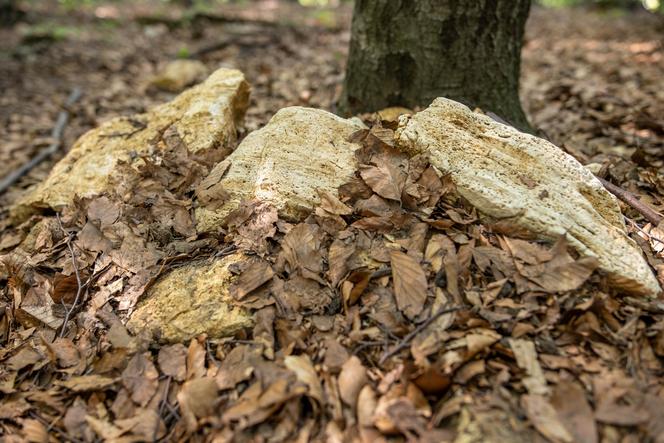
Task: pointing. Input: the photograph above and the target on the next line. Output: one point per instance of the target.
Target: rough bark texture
(9, 12)
(408, 52)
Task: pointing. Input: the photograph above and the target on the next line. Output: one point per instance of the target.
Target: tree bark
(408, 52)
(9, 12)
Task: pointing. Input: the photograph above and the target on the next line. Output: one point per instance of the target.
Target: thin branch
(422, 326)
(79, 289)
(651, 306)
(632, 200)
(384, 272)
(50, 428)
(162, 405)
(56, 135)
(648, 236)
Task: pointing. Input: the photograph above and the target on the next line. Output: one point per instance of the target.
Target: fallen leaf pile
(392, 313)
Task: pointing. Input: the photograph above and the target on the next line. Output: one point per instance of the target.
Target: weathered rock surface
(300, 151)
(178, 74)
(205, 117)
(192, 300)
(511, 176)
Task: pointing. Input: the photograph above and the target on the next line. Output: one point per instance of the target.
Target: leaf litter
(408, 326)
(391, 313)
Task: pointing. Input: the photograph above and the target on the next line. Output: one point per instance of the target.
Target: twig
(650, 237)
(381, 273)
(79, 285)
(56, 135)
(162, 403)
(632, 200)
(228, 250)
(173, 411)
(408, 338)
(651, 306)
(50, 428)
(366, 344)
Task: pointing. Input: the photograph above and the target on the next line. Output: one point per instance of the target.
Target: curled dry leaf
(196, 359)
(340, 253)
(385, 179)
(305, 372)
(331, 203)
(352, 378)
(366, 406)
(526, 358)
(84, 383)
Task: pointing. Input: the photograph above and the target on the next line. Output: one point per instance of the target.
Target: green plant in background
(183, 52)
(651, 5)
(73, 4)
(47, 31)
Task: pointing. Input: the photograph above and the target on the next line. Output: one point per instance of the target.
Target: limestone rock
(205, 117)
(178, 74)
(393, 113)
(524, 180)
(298, 152)
(192, 300)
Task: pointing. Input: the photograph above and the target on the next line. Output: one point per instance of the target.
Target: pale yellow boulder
(178, 74)
(299, 152)
(192, 300)
(206, 117)
(511, 176)
(393, 113)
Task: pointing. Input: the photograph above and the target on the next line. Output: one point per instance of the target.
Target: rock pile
(302, 154)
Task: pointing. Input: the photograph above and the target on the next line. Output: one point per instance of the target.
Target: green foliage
(47, 31)
(73, 4)
(183, 52)
(652, 5)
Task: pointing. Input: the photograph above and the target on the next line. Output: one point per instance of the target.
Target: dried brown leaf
(87, 383)
(197, 399)
(385, 179)
(352, 378)
(173, 361)
(410, 284)
(253, 277)
(545, 418)
(305, 372)
(141, 378)
(574, 411)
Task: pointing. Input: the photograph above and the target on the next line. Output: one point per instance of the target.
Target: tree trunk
(408, 52)
(9, 12)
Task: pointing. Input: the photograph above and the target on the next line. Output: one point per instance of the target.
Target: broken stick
(632, 200)
(405, 342)
(56, 135)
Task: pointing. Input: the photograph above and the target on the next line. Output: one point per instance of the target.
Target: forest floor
(592, 82)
